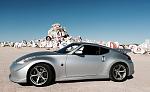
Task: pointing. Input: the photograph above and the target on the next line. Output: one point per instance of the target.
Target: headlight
(24, 60)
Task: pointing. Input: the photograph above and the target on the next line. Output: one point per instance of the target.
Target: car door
(86, 61)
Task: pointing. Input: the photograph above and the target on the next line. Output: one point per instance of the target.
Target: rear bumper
(131, 69)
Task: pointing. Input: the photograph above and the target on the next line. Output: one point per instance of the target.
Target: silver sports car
(76, 61)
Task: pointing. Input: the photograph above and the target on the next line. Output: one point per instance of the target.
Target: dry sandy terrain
(140, 82)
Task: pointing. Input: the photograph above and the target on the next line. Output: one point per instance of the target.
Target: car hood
(35, 54)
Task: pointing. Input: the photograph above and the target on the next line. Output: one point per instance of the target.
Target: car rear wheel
(118, 72)
(40, 75)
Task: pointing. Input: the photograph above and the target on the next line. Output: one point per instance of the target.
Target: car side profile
(76, 61)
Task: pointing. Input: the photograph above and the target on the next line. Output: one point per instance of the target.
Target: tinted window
(103, 50)
(90, 50)
(68, 48)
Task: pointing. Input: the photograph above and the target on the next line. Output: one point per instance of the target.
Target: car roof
(92, 44)
(85, 43)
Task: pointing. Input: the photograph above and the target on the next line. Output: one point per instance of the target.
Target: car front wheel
(40, 75)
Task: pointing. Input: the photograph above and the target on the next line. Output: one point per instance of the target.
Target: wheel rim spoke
(123, 71)
(37, 79)
(120, 66)
(36, 69)
(115, 73)
(43, 71)
(34, 75)
(120, 76)
(43, 78)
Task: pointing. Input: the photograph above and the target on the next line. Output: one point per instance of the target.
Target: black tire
(40, 75)
(118, 72)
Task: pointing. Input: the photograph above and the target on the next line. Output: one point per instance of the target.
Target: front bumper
(18, 76)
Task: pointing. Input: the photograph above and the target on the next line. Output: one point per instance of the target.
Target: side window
(68, 48)
(103, 50)
(91, 50)
(79, 51)
(71, 48)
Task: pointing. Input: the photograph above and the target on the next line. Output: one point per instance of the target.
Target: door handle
(103, 58)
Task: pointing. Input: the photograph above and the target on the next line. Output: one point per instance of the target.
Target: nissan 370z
(77, 61)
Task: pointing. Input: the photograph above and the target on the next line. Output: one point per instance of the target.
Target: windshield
(68, 48)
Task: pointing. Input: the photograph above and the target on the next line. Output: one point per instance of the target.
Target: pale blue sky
(126, 21)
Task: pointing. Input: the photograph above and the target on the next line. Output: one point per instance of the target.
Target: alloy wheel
(38, 75)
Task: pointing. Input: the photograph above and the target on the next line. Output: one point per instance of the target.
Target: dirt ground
(139, 83)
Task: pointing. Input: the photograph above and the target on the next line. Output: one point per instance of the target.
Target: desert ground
(139, 83)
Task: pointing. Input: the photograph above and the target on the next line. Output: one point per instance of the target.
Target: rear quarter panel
(115, 57)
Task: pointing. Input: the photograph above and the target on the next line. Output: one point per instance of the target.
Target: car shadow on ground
(76, 81)
(84, 80)
(89, 80)
(69, 81)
